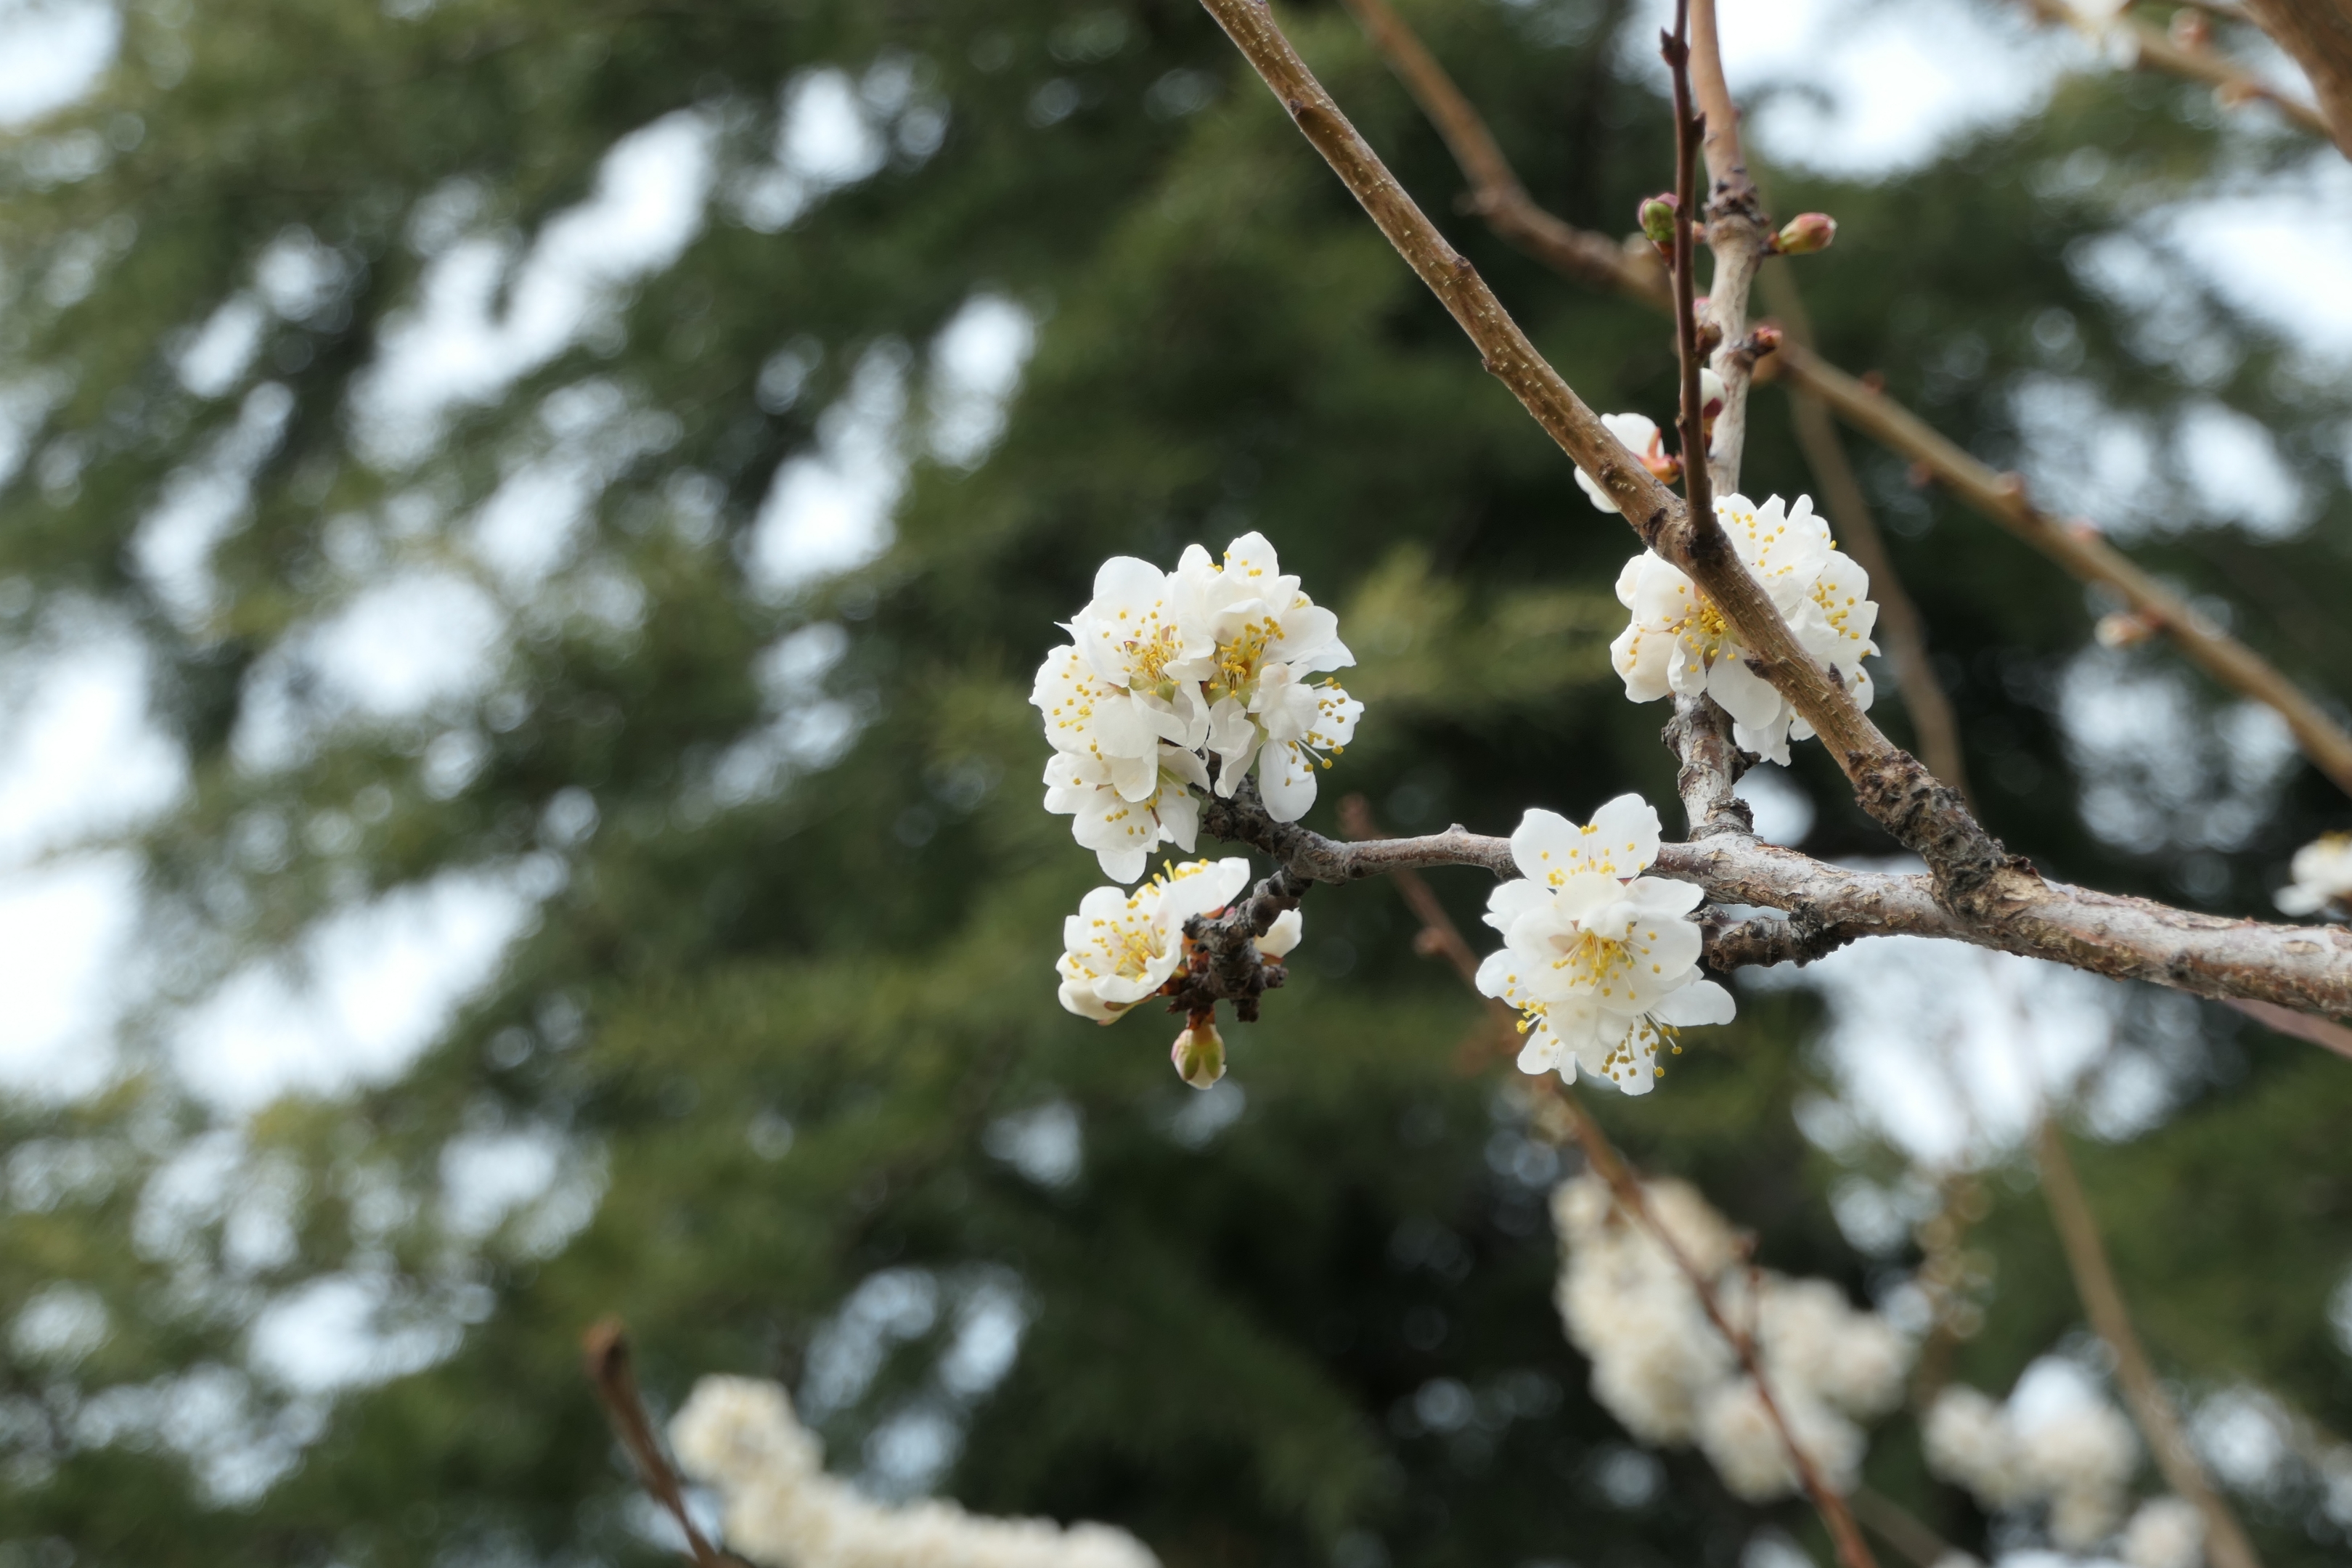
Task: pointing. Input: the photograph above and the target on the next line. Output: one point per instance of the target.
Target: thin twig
(1900, 625)
(1902, 1529)
(2153, 51)
(2079, 547)
(2317, 36)
(1691, 419)
(2094, 1281)
(1736, 232)
(606, 1350)
(1558, 1113)
(1630, 271)
(2301, 1026)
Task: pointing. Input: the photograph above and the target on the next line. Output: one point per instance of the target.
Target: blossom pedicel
(1165, 671)
(1601, 960)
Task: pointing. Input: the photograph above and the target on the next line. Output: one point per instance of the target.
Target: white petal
(1625, 831)
(1545, 842)
(1663, 896)
(1700, 1002)
(1512, 899)
(1494, 972)
(1747, 696)
(1283, 935)
(1285, 781)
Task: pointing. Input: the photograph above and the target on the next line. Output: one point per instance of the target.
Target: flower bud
(1656, 215)
(1804, 234)
(2126, 628)
(1200, 1051)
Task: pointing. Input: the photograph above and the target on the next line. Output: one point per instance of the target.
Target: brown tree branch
(1562, 1117)
(1698, 466)
(1900, 626)
(2304, 968)
(1633, 272)
(2318, 35)
(2301, 1026)
(2094, 1281)
(2080, 549)
(1902, 1528)
(2153, 51)
(1737, 234)
(604, 1348)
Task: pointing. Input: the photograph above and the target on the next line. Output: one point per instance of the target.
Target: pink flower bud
(1200, 1051)
(1805, 233)
(1656, 215)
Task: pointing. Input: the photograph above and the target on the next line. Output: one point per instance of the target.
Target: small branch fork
(1631, 270)
(1562, 1119)
(605, 1350)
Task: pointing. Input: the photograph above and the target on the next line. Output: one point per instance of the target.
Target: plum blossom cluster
(2074, 1456)
(1678, 643)
(1168, 672)
(1601, 961)
(1126, 944)
(1663, 1370)
(2323, 878)
(2165, 1533)
(739, 1436)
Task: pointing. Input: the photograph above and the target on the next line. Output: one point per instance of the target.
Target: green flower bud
(1200, 1052)
(1656, 215)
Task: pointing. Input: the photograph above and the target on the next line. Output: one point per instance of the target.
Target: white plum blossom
(2165, 1533)
(1268, 638)
(1122, 831)
(1639, 433)
(1601, 961)
(1640, 436)
(1679, 644)
(1167, 669)
(2077, 1458)
(1123, 945)
(779, 1507)
(1660, 1366)
(2323, 878)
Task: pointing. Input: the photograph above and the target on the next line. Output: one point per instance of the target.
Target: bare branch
(1902, 1528)
(2094, 1281)
(1495, 194)
(1699, 470)
(2307, 968)
(2153, 51)
(2080, 549)
(1900, 625)
(1737, 233)
(605, 1348)
(1631, 271)
(2301, 1026)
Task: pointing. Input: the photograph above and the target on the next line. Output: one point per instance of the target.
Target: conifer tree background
(784, 1013)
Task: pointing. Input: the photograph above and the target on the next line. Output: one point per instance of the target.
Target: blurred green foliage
(777, 1022)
